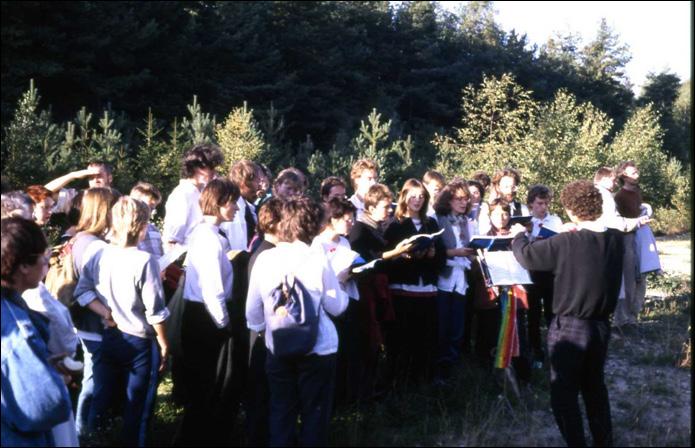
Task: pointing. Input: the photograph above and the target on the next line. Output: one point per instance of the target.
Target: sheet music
(505, 270)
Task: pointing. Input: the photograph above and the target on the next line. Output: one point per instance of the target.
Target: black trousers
(578, 349)
(257, 394)
(202, 342)
(411, 340)
(302, 386)
(349, 362)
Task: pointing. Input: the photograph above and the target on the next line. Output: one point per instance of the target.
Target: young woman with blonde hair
(94, 223)
(125, 280)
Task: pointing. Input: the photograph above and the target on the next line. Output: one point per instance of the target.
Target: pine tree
(240, 137)
(30, 142)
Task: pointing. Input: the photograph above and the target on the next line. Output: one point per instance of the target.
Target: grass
(649, 397)
(474, 410)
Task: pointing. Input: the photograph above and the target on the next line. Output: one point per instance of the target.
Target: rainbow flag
(508, 339)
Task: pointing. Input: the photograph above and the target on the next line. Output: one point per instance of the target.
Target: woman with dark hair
(207, 321)
(301, 384)
(451, 207)
(412, 340)
(340, 216)
(182, 209)
(34, 396)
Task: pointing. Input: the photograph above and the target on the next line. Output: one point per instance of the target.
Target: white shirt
(340, 257)
(359, 205)
(209, 276)
(182, 213)
(311, 267)
(65, 197)
(552, 222)
(236, 229)
(62, 336)
(457, 281)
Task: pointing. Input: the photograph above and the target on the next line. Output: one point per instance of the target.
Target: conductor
(587, 264)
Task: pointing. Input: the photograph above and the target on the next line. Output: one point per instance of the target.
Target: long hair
(402, 207)
(95, 217)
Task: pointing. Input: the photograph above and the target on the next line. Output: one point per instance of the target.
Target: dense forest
(309, 83)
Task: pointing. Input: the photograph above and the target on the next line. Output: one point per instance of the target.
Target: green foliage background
(319, 84)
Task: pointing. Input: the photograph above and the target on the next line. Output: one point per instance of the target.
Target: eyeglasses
(460, 198)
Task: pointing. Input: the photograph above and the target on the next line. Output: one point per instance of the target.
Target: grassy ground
(649, 393)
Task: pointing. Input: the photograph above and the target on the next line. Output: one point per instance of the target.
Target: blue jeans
(91, 351)
(451, 308)
(134, 361)
(305, 386)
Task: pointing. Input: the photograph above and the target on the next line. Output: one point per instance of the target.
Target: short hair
(128, 217)
(14, 203)
(293, 176)
(107, 166)
(38, 193)
(442, 205)
(359, 166)
(538, 191)
(201, 156)
(23, 242)
(339, 207)
(328, 183)
(583, 199)
(402, 204)
(506, 172)
(146, 189)
(95, 217)
(301, 220)
(603, 172)
(244, 172)
(482, 178)
(217, 193)
(433, 175)
(376, 194)
(270, 215)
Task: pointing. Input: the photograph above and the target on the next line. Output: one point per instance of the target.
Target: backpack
(294, 322)
(61, 279)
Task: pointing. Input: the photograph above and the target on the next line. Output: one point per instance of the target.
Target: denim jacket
(34, 397)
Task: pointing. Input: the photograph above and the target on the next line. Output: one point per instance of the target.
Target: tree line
(317, 84)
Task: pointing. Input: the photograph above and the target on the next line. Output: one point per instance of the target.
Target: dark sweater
(628, 203)
(367, 241)
(587, 267)
(408, 272)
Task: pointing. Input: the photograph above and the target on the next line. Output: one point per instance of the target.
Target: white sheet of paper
(366, 266)
(505, 270)
(171, 256)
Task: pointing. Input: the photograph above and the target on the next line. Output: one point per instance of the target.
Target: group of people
(207, 296)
